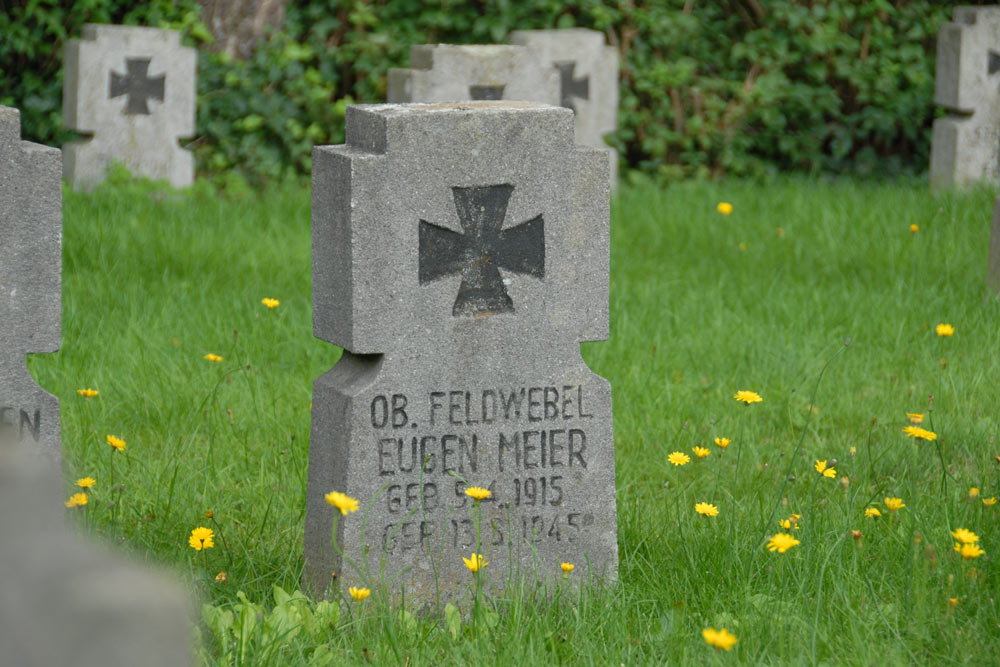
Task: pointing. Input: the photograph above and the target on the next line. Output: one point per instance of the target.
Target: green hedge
(708, 88)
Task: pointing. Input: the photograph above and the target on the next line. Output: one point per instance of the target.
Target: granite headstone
(460, 256)
(588, 79)
(62, 602)
(993, 268)
(133, 89)
(454, 73)
(965, 144)
(30, 285)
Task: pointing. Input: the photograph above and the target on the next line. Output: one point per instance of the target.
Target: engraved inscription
(137, 85)
(482, 250)
(18, 423)
(570, 87)
(486, 92)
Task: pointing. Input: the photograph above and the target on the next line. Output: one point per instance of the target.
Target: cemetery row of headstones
(132, 92)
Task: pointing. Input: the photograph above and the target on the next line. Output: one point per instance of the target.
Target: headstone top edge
(419, 108)
(93, 31)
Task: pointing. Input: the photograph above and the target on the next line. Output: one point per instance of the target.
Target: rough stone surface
(588, 78)
(993, 271)
(965, 144)
(134, 90)
(64, 602)
(460, 256)
(456, 73)
(30, 285)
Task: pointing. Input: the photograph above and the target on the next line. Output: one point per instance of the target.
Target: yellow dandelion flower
(743, 246)
(969, 551)
(990, 502)
(894, 504)
(872, 512)
(914, 229)
(724, 207)
(722, 443)
(270, 303)
(76, 500)
(719, 638)
(116, 442)
(953, 602)
(857, 534)
(679, 458)
(747, 397)
(214, 358)
(87, 393)
(706, 509)
(919, 433)
(86, 482)
(221, 577)
(477, 492)
(701, 452)
(566, 567)
(359, 594)
(201, 538)
(781, 542)
(342, 501)
(823, 470)
(853, 450)
(965, 536)
(476, 563)
(915, 417)
(944, 330)
(973, 493)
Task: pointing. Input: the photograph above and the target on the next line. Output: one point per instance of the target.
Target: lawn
(816, 295)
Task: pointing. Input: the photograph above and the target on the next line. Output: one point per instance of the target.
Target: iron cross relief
(482, 250)
(137, 84)
(570, 87)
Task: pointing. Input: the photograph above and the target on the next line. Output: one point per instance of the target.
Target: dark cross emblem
(570, 87)
(486, 92)
(482, 250)
(137, 85)
(993, 63)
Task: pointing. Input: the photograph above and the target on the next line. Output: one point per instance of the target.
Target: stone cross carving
(30, 285)
(495, 202)
(482, 250)
(135, 117)
(453, 73)
(138, 85)
(588, 75)
(965, 144)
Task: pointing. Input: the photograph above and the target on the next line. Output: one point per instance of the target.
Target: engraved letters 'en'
(482, 250)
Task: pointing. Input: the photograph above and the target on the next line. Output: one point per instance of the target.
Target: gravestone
(588, 79)
(133, 89)
(30, 284)
(993, 269)
(460, 256)
(62, 602)
(965, 144)
(454, 73)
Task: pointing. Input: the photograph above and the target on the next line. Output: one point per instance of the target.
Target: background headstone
(966, 143)
(134, 90)
(460, 256)
(30, 285)
(588, 79)
(454, 73)
(62, 602)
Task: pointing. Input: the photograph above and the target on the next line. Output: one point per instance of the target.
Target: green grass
(154, 280)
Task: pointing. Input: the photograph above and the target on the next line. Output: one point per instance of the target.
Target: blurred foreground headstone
(588, 79)
(133, 89)
(965, 145)
(993, 270)
(62, 602)
(454, 73)
(460, 256)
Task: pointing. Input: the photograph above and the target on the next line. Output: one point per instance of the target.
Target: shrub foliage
(738, 87)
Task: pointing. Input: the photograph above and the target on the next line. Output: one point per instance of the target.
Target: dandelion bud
(857, 535)
(845, 482)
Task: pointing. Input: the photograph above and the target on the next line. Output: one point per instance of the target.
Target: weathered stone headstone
(455, 73)
(588, 79)
(134, 90)
(30, 284)
(966, 143)
(62, 602)
(460, 256)
(993, 270)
